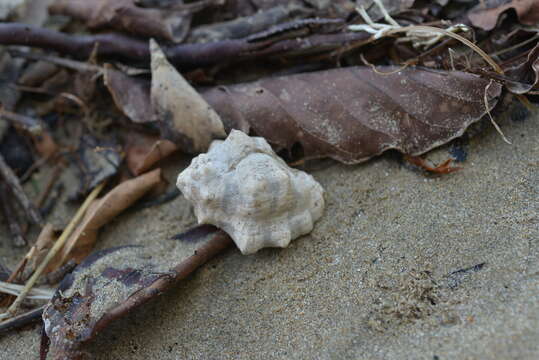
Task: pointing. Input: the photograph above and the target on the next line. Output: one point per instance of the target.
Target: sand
(401, 266)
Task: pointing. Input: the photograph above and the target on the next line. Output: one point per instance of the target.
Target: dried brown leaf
(101, 211)
(352, 114)
(525, 76)
(486, 14)
(125, 15)
(129, 94)
(144, 151)
(185, 117)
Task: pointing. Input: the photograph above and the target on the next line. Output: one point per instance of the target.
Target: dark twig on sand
(55, 175)
(56, 60)
(218, 243)
(32, 316)
(11, 217)
(15, 186)
(184, 56)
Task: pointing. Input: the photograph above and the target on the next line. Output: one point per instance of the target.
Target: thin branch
(80, 46)
(55, 175)
(219, 242)
(184, 56)
(67, 63)
(17, 322)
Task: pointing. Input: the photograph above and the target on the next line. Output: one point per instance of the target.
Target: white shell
(244, 188)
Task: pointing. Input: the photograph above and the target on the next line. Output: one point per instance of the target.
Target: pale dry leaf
(129, 94)
(144, 151)
(185, 117)
(103, 210)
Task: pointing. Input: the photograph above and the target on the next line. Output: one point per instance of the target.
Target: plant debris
(486, 14)
(103, 210)
(410, 110)
(113, 282)
(103, 91)
(186, 119)
(125, 15)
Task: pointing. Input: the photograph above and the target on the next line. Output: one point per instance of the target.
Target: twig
(218, 243)
(21, 320)
(11, 179)
(54, 250)
(462, 39)
(110, 45)
(184, 56)
(55, 175)
(52, 199)
(244, 26)
(8, 300)
(516, 46)
(498, 129)
(35, 293)
(11, 218)
(422, 35)
(67, 63)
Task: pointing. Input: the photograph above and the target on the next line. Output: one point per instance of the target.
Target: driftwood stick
(80, 46)
(184, 56)
(17, 322)
(15, 186)
(117, 46)
(219, 242)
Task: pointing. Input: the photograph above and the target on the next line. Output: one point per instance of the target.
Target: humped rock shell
(241, 186)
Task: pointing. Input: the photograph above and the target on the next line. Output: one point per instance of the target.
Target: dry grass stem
(52, 252)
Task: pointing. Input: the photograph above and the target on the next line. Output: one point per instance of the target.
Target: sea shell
(241, 186)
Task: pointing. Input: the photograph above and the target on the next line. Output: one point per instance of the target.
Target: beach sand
(402, 265)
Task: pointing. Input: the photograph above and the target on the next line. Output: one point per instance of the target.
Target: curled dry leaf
(524, 77)
(144, 151)
(110, 283)
(126, 16)
(185, 117)
(486, 14)
(129, 94)
(103, 210)
(352, 114)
